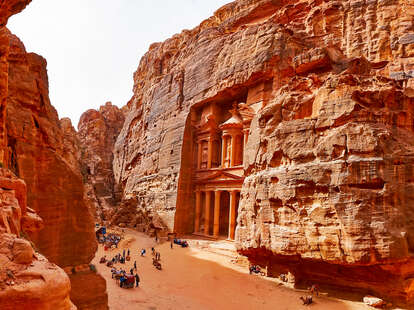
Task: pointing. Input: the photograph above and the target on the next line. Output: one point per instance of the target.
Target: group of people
(110, 240)
(124, 278)
(118, 258)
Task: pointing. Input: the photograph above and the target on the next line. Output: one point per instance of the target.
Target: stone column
(223, 151)
(216, 214)
(197, 212)
(210, 152)
(200, 153)
(233, 150)
(207, 213)
(232, 215)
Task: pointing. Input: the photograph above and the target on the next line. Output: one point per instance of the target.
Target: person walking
(135, 265)
(123, 254)
(171, 245)
(128, 252)
(137, 280)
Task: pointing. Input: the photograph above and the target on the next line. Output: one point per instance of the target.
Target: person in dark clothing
(136, 280)
(171, 244)
(121, 281)
(123, 254)
(128, 252)
(132, 271)
(135, 265)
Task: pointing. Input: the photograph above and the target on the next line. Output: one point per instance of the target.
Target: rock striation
(37, 151)
(97, 133)
(326, 88)
(27, 279)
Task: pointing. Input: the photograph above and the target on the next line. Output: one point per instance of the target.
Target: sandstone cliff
(39, 153)
(97, 133)
(27, 279)
(328, 160)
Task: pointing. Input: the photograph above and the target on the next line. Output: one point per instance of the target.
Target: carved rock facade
(324, 90)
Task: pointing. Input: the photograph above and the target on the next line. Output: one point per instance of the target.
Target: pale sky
(93, 47)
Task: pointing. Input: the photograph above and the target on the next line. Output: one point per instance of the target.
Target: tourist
(113, 272)
(123, 254)
(153, 251)
(128, 252)
(137, 280)
(122, 280)
(132, 271)
(135, 265)
(143, 252)
(171, 244)
(314, 289)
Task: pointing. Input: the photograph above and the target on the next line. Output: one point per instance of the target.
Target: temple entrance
(212, 171)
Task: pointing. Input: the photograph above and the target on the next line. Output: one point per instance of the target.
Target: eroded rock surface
(27, 279)
(328, 159)
(97, 132)
(40, 152)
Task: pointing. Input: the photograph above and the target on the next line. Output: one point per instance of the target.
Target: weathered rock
(39, 285)
(27, 279)
(97, 132)
(328, 160)
(22, 252)
(40, 152)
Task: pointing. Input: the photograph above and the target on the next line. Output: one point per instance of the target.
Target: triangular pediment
(220, 176)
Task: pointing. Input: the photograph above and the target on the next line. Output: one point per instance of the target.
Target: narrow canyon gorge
(285, 127)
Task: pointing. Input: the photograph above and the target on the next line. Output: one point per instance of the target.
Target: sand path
(196, 279)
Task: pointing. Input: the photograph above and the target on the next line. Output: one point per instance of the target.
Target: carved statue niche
(204, 154)
(227, 157)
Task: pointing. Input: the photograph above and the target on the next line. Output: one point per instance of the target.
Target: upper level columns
(199, 154)
(233, 150)
(210, 152)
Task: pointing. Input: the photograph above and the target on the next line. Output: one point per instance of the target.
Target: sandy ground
(194, 278)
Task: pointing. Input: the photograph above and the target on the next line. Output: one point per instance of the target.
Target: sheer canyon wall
(97, 133)
(326, 90)
(36, 147)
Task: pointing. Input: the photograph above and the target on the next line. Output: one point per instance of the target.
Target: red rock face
(328, 160)
(11, 7)
(7, 9)
(42, 152)
(27, 279)
(97, 132)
